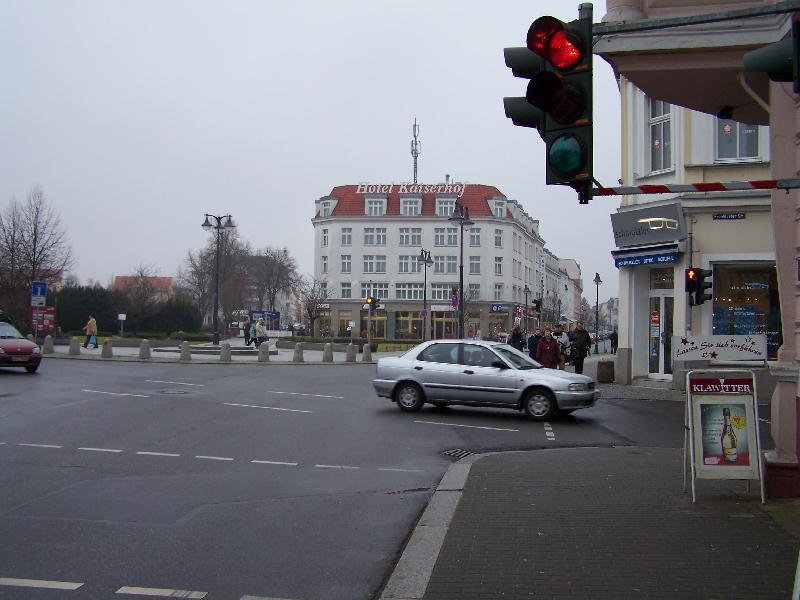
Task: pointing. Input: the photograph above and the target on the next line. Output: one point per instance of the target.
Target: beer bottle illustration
(728, 438)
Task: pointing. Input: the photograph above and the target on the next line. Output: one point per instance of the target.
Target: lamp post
(461, 216)
(526, 290)
(221, 224)
(426, 261)
(597, 282)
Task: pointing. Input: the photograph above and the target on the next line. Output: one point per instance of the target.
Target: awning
(647, 255)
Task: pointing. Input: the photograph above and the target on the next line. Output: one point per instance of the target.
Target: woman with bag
(548, 353)
(261, 333)
(91, 331)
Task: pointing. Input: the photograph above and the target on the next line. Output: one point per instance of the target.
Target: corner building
(368, 239)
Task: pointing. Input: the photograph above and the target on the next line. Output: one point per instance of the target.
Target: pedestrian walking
(580, 346)
(91, 331)
(614, 338)
(533, 342)
(246, 329)
(564, 344)
(261, 333)
(548, 352)
(517, 339)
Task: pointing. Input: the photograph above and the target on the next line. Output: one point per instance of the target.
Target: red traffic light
(548, 38)
(691, 280)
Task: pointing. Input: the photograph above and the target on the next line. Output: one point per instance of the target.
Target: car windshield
(7, 330)
(520, 360)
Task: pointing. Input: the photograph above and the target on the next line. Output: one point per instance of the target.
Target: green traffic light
(567, 155)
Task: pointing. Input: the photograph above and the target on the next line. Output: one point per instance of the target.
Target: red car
(16, 350)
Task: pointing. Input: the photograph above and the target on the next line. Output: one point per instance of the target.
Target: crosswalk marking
(40, 583)
(40, 445)
(164, 593)
(266, 407)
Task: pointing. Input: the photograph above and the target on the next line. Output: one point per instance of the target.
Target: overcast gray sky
(136, 118)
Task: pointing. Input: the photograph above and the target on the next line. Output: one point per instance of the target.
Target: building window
(445, 207)
(347, 236)
(376, 290)
(736, 141)
(452, 263)
(380, 263)
(441, 291)
(499, 209)
(438, 234)
(746, 301)
(498, 265)
(408, 264)
(408, 291)
(347, 263)
(438, 264)
(416, 236)
(452, 236)
(660, 135)
(498, 291)
(475, 236)
(410, 236)
(324, 237)
(347, 290)
(324, 264)
(376, 208)
(325, 211)
(474, 291)
(369, 263)
(474, 265)
(380, 236)
(498, 238)
(410, 207)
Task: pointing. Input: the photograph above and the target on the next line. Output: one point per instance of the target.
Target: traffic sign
(38, 293)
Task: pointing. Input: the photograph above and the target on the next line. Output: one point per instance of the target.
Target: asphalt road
(239, 481)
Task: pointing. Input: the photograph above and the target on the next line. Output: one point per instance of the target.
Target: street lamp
(426, 261)
(461, 216)
(220, 225)
(526, 290)
(597, 282)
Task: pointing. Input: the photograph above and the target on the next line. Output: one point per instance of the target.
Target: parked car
(480, 373)
(16, 350)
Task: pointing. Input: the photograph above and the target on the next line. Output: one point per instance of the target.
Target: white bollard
(263, 352)
(350, 355)
(327, 352)
(144, 350)
(298, 353)
(186, 353)
(108, 349)
(74, 347)
(225, 352)
(366, 355)
(47, 347)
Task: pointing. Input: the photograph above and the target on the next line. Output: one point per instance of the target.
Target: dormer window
(376, 207)
(411, 207)
(445, 207)
(325, 209)
(499, 209)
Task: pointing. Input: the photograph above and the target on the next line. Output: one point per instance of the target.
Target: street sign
(38, 293)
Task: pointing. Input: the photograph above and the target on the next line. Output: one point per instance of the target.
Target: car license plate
(19, 359)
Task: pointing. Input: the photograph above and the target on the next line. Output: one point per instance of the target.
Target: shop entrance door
(660, 336)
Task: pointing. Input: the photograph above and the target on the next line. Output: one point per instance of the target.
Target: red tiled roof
(351, 202)
(159, 284)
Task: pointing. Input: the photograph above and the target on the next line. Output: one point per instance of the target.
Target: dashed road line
(115, 393)
(548, 432)
(467, 426)
(266, 407)
(302, 394)
(228, 458)
(40, 445)
(335, 467)
(274, 462)
(114, 450)
(170, 454)
(40, 583)
(401, 470)
(262, 598)
(175, 382)
(164, 593)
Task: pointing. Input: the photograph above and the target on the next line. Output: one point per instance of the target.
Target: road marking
(468, 426)
(142, 591)
(40, 583)
(274, 462)
(115, 393)
(401, 470)
(548, 431)
(213, 457)
(157, 454)
(302, 394)
(175, 382)
(335, 467)
(267, 407)
(40, 445)
(101, 450)
(262, 598)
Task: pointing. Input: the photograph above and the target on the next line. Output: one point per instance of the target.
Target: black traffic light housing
(537, 305)
(371, 301)
(778, 60)
(703, 283)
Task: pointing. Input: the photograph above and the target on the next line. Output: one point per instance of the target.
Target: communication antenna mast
(415, 147)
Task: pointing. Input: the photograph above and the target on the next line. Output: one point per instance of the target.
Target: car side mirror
(499, 364)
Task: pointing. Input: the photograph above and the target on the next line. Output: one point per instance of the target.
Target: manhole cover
(172, 392)
(457, 453)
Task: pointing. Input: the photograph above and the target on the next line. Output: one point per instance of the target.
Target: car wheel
(409, 397)
(539, 405)
(32, 369)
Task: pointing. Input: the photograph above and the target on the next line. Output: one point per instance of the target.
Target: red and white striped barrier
(729, 186)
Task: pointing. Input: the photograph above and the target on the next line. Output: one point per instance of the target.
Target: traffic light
(537, 305)
(558, 101)
(703, 283)
(691, 283)
(371, 301)
(778, 60)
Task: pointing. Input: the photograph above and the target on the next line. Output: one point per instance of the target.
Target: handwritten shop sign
(720, 347)
(456, 189)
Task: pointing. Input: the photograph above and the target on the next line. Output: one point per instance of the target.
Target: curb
(197, 361)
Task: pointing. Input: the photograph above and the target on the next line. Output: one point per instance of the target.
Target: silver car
(479, 373)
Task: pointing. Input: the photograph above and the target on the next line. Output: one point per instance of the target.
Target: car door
(483, 383)
(438, 371)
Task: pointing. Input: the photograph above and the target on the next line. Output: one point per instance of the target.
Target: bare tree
(196, 278)
(140, 295)
(312, 294)
(271, 272)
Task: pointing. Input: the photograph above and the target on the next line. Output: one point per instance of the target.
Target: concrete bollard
(366, 355)
(74, 347)
(298, 353)
(47, 347)
(144, 350)
(263, 352)
(350, 355)
(327, 353)
(605, 371)
(186, 352)
(225, 352)
(108, 349)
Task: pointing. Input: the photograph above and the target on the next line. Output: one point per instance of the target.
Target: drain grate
(457, 453)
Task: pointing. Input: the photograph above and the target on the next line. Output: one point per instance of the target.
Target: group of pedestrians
(551, 347)
(255, 332)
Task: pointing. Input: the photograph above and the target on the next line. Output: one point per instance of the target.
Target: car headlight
(36, 350)
(578, 387)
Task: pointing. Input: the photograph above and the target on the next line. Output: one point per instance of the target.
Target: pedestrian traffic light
(371, 301)
(691, 281)
(559, 96)
(537, 305)
(703, 283)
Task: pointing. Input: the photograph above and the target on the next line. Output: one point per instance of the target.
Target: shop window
(746, 301)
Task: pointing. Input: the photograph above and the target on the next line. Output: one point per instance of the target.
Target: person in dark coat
(548, 353)
(533, 342)
(517, 339)
(614, 338)
(580, 346)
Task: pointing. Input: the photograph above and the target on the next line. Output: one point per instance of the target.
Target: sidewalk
(595, 523)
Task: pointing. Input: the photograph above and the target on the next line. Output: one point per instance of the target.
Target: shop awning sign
(646, 259)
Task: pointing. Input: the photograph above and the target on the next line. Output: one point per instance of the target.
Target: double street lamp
(526, 290)
(222, 222)
(461, 216)
(426, 261)
(597, 282)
